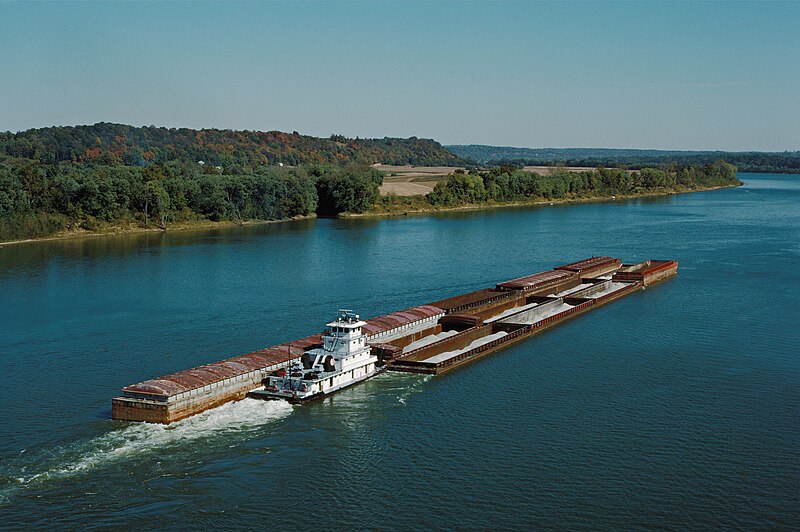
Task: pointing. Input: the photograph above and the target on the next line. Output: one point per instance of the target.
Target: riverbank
(113, 230)
(411, 205)
(644, 383)
(418, 204)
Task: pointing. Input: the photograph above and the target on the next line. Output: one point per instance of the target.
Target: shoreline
(531, 203)
(179, 226)
(208, 224)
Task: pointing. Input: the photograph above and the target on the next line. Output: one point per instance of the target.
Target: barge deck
(433, 338)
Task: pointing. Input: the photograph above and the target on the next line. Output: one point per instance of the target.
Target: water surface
(675, 407)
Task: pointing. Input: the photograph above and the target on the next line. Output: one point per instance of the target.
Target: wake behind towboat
(344, 359)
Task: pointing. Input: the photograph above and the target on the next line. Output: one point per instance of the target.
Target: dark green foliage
(457, 189)
(30, 225)
(37, 200)
(60, 178)
(109, 173)
(349, 189)
(509, 183)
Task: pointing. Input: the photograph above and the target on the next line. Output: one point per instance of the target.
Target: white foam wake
(139, 439)
(403, 385)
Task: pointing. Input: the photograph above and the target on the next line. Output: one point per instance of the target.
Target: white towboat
(344, 359)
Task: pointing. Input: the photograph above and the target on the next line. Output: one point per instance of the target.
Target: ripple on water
(674, 408)
(136, 440)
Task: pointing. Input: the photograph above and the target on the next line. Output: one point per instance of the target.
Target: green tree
(158, 200)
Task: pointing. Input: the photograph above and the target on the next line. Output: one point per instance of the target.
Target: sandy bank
(177, 226)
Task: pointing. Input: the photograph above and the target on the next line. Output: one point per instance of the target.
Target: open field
(550, 170)
(404, 188)
(419, 180)
(411, 180)
(416, 171)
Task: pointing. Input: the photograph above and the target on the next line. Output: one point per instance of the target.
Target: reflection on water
(31, 256)
(675, 407)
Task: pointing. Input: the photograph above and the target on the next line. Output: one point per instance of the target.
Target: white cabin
(344, 359)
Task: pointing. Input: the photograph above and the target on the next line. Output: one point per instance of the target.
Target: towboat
(344, 359)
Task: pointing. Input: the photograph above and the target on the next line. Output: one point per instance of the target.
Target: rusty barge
(432, 338)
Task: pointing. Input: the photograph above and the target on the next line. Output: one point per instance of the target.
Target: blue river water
(675, 407)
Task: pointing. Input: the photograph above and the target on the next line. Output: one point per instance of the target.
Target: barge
(432, 338)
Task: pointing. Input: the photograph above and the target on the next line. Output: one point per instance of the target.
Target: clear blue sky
(642, 75)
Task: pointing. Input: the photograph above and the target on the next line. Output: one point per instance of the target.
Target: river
(675, 407)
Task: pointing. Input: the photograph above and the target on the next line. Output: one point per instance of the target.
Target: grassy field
(419, 180)
(550, 170)
(411, 180)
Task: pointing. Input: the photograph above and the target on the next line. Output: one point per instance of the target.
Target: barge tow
(432, 338)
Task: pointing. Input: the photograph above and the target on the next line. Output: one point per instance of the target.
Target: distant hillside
(782, 162)
(115, 144)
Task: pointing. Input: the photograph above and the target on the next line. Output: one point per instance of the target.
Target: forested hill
(781, 162)
(111, 177)
(118, 144)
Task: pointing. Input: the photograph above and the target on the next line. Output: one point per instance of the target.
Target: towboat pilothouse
(345, 358)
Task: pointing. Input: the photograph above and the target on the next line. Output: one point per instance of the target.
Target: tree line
(238, 152)
(38, 200)
(670, 160)
(509, 183)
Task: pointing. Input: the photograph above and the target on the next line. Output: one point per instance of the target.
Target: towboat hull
(266, 395)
